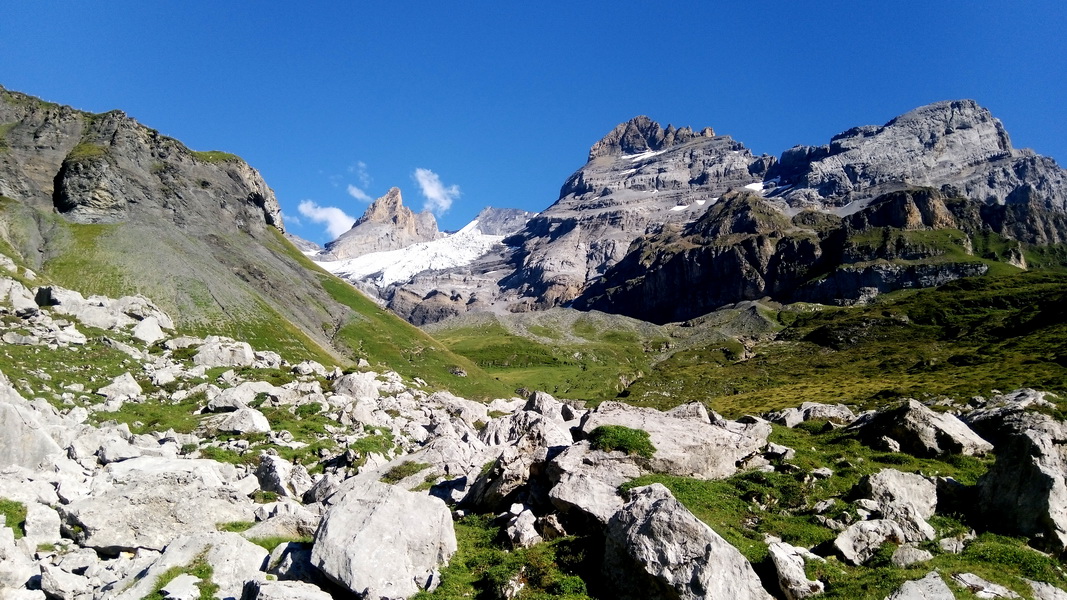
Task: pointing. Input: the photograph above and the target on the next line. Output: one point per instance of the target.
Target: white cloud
(438, 197)
(335, 219)
(289, 219)
(359, 194)
(363, 175)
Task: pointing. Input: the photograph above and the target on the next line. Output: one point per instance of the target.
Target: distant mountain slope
(642, 228)
(102, 204)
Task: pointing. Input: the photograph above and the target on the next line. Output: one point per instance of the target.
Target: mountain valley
(701, 373)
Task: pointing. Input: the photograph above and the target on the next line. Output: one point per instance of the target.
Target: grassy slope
(115, 260)
(965, 338)
(587, 359)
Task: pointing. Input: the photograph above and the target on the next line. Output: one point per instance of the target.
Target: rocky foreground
(153, 463)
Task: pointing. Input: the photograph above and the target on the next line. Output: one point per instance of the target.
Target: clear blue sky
(501, 100)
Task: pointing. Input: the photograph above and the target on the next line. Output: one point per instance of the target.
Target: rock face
(956, 143)
(1025, 491)
(656, 548)
(350, 549)
(386, 225)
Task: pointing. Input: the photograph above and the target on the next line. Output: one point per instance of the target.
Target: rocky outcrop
(656, 548)
(349, 549)
(1025, 491)
(687, 443)
(923, 432)
(931, 587)
(386, 225)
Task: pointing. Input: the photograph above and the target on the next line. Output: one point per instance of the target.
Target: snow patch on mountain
(385, 268)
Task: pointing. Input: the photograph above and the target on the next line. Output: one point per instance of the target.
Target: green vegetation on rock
(215, 156)
(482, 568)
(623, 439)
(14, 516)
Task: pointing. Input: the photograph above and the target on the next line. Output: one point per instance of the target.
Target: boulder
(123, 385)
(906, 498)
(861, 540)
(57, 583)
(1025, 491)
(233, 559)
(222, 352)
(586, 481)
(931, 587)
(810, 411)
(16, 567)
(1046, 591)
(909, 554)
(685, 446)
(148, 331)
(656, 548)
(24, 431)
(521, 530)
(42, 524)
(275, 474)
(789, 564)
(349, 546)
(182, 587)
(358, 385)
(923, 432)
(244, 420)
(982, 588)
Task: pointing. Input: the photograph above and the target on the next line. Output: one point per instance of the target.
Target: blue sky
(498, 102)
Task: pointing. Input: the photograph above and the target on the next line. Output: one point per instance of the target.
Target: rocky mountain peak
(642, 134)
(386, 225)
(388, 209)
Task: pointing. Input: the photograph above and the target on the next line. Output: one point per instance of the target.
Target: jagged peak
(642, 134)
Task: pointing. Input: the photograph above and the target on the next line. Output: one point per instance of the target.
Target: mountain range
(667, 224)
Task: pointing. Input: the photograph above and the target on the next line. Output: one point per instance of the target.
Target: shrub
(625, 439)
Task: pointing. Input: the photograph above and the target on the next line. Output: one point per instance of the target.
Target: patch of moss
(402, 471)
(14, 516)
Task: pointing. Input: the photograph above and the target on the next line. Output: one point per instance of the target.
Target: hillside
(105, 205)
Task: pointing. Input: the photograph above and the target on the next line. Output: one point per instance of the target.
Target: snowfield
(385, 268)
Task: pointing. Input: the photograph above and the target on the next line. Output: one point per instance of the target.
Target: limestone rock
(358, 385)
(982, 588)
(906, 498)
(1025, 491)
(283, 590)
(810, 411)
(244, 420)
(182, 587)
(150, 506)
(586, 481)
(123, 385)
(1046, 591)
(925, 433)
(24, 431)
(148, 331)
(861, 540)
(685, 447)
(278, 475)
(656, 548)
(789, 563)
(220, 352)
(931, 587)
(57, 583)
(234, 561)
(909, 554)
(348, 545)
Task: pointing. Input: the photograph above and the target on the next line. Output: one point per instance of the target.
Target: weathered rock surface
(1025, 491)
(861, 540)
(923, 432)
(931, 587)
(655, 548)
(789, 564)
(689, 446)
(386, 225)
(349, 549)
(905, 498)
